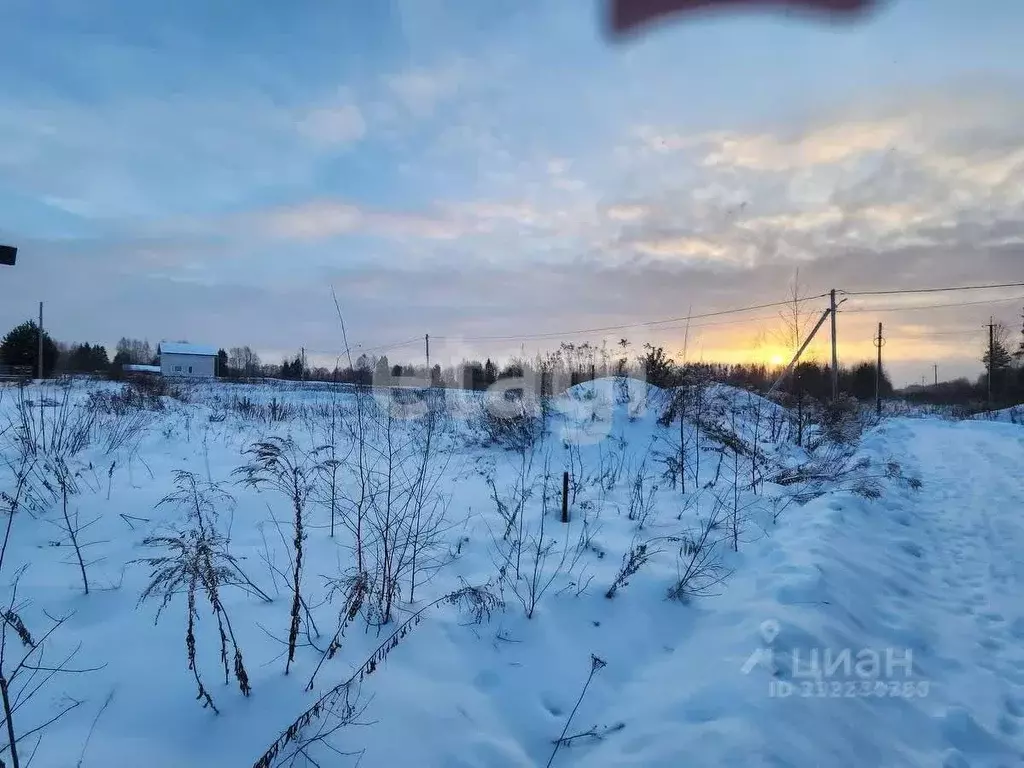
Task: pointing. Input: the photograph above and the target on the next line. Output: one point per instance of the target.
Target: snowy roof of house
(142, 368)
(182, 348)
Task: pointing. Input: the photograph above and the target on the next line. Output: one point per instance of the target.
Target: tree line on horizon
(568, 365)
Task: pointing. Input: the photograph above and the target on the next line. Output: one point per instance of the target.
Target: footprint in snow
(1014, 706)
(964, 734)
(487, 680)
(912, 548)
(992, 644)
(1017, 628)
(553, 709)
(1008, 726)
(954, 759)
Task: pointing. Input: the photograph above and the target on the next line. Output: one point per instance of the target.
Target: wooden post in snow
(565, 497)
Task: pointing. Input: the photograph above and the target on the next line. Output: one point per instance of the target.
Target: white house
(180, 359)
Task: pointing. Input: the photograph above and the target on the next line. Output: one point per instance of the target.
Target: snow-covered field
(790, 606)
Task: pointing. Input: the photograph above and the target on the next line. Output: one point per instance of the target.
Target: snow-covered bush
(513, 419)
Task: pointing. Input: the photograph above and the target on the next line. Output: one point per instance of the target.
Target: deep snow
(928, 581)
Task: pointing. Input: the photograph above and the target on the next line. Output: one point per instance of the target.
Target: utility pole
(303, 375)
(936, 368)
(991, 356)
(879, 343)
(430, 374)
(835, 352)
(796, 357)
(40, 359)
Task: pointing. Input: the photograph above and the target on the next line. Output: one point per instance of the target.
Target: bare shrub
(700, 564)
(52, 427)
(512, 419)
(156, 387)
(642, 497)
(637, 556)
(836, 466)
(62, 484)
(25, 675)
(510, 502)
(267, 413)
(841, 421)
(531, 560)
(327, 430)
(421, 532)
(612, 462)
(405, 505)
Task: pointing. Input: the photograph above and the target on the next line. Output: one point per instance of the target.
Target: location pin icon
(769, 631)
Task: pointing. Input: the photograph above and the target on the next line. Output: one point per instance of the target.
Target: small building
(181, 359)
(134, 368)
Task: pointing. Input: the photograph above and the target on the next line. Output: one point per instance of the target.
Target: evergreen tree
(1001, 359)
(658, 367)
(87, 358)
(21, 347)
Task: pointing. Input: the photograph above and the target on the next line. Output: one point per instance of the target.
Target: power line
(933, 306)
(939, 333)
(665, 324)
(359, 348)
(642, 324)
(931, 290)
(389, 347)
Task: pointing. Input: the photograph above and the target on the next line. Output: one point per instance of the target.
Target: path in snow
(972, 512)
(936, 573)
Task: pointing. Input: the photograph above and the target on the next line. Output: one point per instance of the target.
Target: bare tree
(796, 320)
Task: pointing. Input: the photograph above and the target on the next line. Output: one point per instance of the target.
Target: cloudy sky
(498, 174)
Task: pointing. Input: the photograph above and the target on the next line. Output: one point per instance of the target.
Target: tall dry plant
(278, 463)
(340, 704)
(196, 560)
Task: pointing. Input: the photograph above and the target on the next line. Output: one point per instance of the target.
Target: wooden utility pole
(40, 359)
(796, 357)
(303, 374)
(936, 370)
(430, 374)
(991, 356)
(879, 343)
(835, 351)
